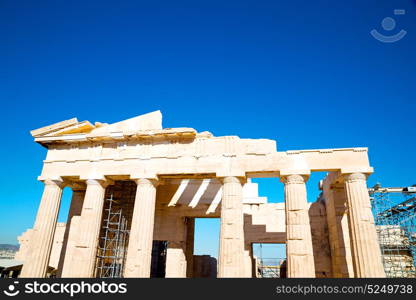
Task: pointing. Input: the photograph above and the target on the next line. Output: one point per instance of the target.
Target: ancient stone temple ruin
(137, 188)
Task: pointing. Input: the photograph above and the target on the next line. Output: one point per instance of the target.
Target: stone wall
(204, 266)
(320, 239)
(264, 223)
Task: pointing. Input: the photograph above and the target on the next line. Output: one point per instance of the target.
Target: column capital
(365, 170)
(145, 181)
(232, 179)
(58, 181)
(352, 177)
(102, 182)
(294, 178)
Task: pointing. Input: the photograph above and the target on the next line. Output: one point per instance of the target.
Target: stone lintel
(233, 173)
(326, 151)
(93, 176)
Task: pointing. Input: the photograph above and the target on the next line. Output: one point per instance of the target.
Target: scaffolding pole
(112, 251)
(394, 212)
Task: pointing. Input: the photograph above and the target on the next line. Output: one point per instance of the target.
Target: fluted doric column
(139, 252)
(69, 241)
(176, 260)
(231, 252)
(36, 263)
(366, 251)
(88, 231)
(338, 228)
(299, 251)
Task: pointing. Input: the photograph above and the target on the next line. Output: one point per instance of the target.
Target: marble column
(338, 230)
(365, 248)
(68, 244)
(139, 252)
(175, 260)
(36, 263)
(231, 253)
(299, 251)
(176, 263)
(88, 231)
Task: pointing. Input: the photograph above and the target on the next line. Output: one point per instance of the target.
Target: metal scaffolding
(112, 251)
(270, 267)
(394, 212)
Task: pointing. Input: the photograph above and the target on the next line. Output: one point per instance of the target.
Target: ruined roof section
(143, 126)
(54, 127)
(146, 128)
(150, 121)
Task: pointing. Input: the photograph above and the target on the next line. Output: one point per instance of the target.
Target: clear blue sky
(305, 73)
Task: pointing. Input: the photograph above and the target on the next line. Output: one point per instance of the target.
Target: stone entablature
(172, 152)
